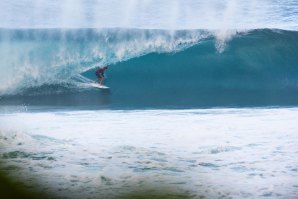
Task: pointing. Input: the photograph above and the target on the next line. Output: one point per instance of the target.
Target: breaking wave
(147, 64)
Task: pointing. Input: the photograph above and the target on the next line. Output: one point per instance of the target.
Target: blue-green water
(202, 101)
(151, 68)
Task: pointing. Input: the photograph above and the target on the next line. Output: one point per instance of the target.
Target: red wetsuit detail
(100, 70)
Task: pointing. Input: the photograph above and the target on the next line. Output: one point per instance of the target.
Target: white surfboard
(96, 85)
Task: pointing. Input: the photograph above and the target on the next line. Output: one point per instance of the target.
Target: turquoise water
(202, 101)
(150, 68)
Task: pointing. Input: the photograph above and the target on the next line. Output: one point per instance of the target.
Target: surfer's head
(106, 67)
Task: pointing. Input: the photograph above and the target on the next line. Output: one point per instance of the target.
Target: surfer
(100, 74)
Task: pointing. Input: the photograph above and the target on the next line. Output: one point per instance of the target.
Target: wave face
(34, 58)
(155, 68)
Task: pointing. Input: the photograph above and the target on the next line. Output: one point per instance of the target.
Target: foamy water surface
(228, 153)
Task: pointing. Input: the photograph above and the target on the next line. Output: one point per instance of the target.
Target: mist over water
(150, 14)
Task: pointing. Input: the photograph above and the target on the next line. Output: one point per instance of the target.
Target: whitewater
(202, 102)
(212, 153)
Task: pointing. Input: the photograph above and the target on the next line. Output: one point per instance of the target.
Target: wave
(53, 56)
(184, 65)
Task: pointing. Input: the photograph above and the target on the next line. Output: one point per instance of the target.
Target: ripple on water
(22, 154)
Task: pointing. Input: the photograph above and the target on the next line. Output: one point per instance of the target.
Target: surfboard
(96, 85)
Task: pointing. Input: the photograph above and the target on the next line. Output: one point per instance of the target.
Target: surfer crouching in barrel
(100, 74)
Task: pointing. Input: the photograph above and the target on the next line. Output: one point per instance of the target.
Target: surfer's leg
(101, 80)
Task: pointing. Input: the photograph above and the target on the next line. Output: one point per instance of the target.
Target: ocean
(202, 99)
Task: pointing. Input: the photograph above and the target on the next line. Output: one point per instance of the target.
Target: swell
(256, 68)
(258, 60)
